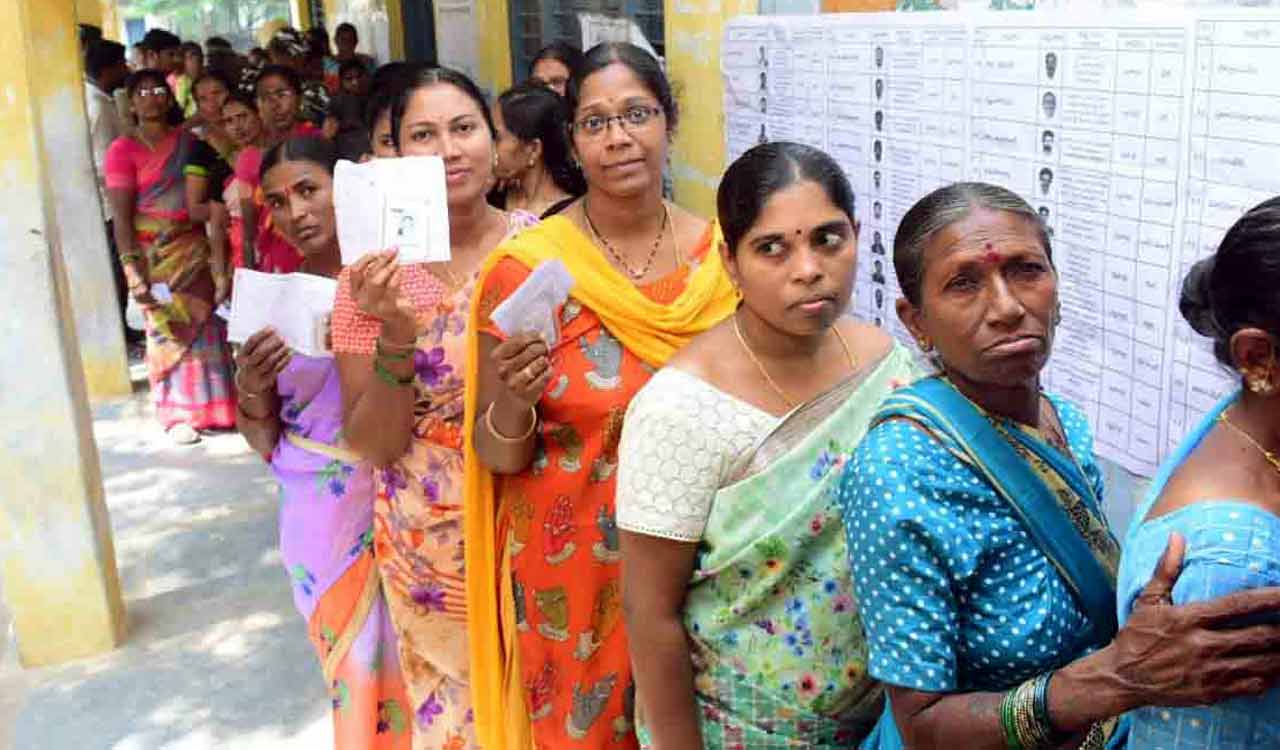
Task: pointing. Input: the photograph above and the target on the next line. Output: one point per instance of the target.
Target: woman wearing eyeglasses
(547, 420)
(188, 363)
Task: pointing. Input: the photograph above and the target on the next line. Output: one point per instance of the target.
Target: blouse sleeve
(202, 160)
(897, 539)
(503, 279)
(356, 332)
(670, 462)
(117, 167)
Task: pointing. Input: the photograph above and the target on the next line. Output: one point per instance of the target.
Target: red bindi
(991, 255)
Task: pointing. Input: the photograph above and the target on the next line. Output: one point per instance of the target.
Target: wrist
(1098, 677)
(400, 330)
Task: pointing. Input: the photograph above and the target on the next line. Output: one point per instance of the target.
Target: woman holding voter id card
(166, 261)
(399, 339)
(290, 412)
(549, 661)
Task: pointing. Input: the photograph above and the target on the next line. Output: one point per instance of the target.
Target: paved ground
(216, 654)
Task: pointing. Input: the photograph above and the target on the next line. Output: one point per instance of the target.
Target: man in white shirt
(104, 72)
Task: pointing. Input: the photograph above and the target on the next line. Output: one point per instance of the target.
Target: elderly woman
(981, 558)
(1221, 489)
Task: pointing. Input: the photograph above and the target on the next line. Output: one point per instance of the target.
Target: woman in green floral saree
(743, 628)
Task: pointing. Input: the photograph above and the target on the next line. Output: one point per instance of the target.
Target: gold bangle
(493, 430)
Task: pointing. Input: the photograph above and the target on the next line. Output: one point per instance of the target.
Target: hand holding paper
(532, 307)
(387, 203)
(296, 305)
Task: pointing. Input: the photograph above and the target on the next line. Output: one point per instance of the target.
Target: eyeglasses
(153, 91)
(635, 118)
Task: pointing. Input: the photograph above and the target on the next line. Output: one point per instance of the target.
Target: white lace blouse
(680, 439)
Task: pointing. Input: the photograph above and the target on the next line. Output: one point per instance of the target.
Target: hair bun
(1196, 301)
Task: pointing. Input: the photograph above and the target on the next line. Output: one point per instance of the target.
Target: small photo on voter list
(405, 225)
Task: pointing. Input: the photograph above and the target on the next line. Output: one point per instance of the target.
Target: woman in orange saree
(549, 657)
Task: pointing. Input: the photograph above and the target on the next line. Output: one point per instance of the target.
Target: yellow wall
(494, 29)
(693, 29)
(395, 29)
(89, 11)
(56, 555)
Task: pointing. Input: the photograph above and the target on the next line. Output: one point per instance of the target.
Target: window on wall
(536, 23)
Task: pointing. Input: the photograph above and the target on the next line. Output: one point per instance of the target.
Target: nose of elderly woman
(1005, 306)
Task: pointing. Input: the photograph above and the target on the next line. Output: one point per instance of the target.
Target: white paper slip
(296, 305)
(223, 311)
(386, 203)
(532, 307)
(161, 293)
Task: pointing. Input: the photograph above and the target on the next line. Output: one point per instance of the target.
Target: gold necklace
(1272, 458)
(618, 257)
(737, 329)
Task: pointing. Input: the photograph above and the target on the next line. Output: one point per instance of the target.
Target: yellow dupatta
(651, 331)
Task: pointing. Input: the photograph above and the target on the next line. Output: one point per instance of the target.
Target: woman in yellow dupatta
(548, 653)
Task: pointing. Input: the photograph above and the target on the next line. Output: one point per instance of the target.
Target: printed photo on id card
(405, 225)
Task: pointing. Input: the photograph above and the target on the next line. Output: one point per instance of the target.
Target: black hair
(352, 64)
(216, 42)
(384, 89)
(258, 52)
(189, 48)
(157, 77)
(345, 26)
(289, 75)
(1236, 287)
(641, 63)
(89, 34)
(939, 210)
(563, 52)
(157, 40)
(239, 97)
(309, 148)
(102, 54)
(417, 76)
(318, 33)
(762, 171)
(211, 74)
(532, 111)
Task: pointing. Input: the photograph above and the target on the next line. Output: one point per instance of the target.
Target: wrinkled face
(514, 155)
(796, 264)
(300, 196)
(210, 96)
(382, 145)
(620, 133)
(151, 99)
(988, 300)
(553, 74)
(441, 120)
(278, 105)
(241, 123)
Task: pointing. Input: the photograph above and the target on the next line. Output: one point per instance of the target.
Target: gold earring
(1259, 383)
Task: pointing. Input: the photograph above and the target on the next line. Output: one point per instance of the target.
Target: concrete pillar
(60, 116)
(56, 556)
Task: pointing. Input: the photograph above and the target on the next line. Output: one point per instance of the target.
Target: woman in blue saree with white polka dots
(982, 562)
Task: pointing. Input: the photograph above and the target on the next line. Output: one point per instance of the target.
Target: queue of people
(714, 511)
